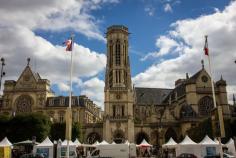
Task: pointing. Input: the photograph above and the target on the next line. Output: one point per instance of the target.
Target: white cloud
(55, 15)
(168, 8)
(94, 89)
(52, 62)
(18, 21)
(166, 45)
(221, 29)
(150, 10)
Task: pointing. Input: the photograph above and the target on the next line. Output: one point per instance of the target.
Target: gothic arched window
(187, 111)
(117, 52)
(205, 105)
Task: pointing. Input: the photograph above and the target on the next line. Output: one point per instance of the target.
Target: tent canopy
(144, 143)
(104, 142)
(26, 142)
(170, 143)
(187, 141)
(5, 142)
(77, 142)
(64, 143)
(207, 141)
(46, 143)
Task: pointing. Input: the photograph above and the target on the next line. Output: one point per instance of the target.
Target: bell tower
(118, 119)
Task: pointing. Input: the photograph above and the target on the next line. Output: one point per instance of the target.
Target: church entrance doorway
(140, 136)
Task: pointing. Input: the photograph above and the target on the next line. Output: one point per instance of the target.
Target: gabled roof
(5, 142)
(194, 78)
(150, 96)
(47, 142)
(187, 141)
(207, 141)
(28, 70)
(170, 143)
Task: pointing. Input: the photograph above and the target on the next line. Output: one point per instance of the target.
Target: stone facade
(31, 93)
(131, 113)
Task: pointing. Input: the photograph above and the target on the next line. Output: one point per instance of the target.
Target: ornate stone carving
(24, 104)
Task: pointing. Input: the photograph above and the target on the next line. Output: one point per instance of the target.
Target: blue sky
(166, 40)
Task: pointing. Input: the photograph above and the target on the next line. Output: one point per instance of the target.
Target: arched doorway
(140, 136)
(93, 137)
(170, 133)
(119, 137)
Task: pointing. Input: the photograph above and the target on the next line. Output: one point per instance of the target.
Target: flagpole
(69, 117)
(213, 91)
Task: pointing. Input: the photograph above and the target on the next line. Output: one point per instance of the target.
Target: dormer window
(51, 102)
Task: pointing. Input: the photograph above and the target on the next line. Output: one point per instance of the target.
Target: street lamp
(2, 72)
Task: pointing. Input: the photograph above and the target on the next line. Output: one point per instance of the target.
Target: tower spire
(234, 100)
(28, 61)
(202, 61)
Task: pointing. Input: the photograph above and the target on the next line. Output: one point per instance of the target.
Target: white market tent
(5, 146)
(62, 148)
(170, 144)
(144, 143)
(77, 143)
(104, 143)
(231, 147)
(45, 148)
(188, 146)
(208, 145)
(64, 143)
(5, 143)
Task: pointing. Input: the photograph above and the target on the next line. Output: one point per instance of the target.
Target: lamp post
(2, 72)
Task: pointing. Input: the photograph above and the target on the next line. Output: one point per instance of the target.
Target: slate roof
(56, 101)
(149, 96)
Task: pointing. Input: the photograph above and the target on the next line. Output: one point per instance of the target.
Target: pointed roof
(144, 143)
(64, 143)
(170, 143)
(231, 141)
(47, 142)
(104, 143)
(77, 142)
(29, 71)
(194, 78)
(187, 141)
(126, 142)
(207, 141)
(96, 143)
(5, 142)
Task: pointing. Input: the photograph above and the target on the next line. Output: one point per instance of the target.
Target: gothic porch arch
(140, 136)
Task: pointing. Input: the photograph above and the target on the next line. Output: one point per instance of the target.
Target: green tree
(25, 126)
(4, 129)
(58, 131)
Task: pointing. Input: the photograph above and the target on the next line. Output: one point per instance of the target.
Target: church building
(130, 113)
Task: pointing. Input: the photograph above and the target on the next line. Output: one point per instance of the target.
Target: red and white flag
(69, 44)
(206, 50)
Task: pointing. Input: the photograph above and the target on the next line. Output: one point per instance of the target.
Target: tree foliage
(25, 126)
(58, 131)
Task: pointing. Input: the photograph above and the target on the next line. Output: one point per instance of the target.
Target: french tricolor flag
(69, 44)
